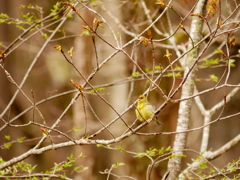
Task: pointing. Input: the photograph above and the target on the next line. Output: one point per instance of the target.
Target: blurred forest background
(43, 75)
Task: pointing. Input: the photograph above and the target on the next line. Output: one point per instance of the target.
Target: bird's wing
(151, 106)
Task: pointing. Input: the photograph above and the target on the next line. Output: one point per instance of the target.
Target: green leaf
(86, 136)
(63, 176)
(118, 34)
(139, 155)
(85, 32)
(120, 148)
(56, 7)
(81, 156)
(45, 35)
(178, 68)
(70, 158)
(174, 74)
(8, 137)
(209, 62)
(56, 17)
(7, 145)
(2, 21)
(168, 148)
(158, 67)
(81, 168)
(212, 170)
(4, 16)
(21, 139)
(1, 160)
(135, 74)
(180, 155)
(30, 6)
(203, 165)
(22, 6)
(147, 70)
(232, 61)
(161, 151)
(67, 164)
(75, 129)
(77, 168)
(99, 89)
(19, 27)
(117, 164)
(214, 78)
(151, 152)
(85, 168)
(37, 7)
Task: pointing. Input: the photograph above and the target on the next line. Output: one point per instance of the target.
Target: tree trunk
(174, 165)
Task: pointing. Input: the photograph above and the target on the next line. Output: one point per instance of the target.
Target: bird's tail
(158, 122)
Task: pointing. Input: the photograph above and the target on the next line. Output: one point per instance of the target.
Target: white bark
(174, 165)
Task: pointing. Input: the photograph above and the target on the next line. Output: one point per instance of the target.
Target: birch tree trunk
(174, 165)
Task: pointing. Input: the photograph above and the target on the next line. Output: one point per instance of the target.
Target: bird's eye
(140, 98)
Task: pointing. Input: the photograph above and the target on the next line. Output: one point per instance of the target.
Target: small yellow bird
(145, 110)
